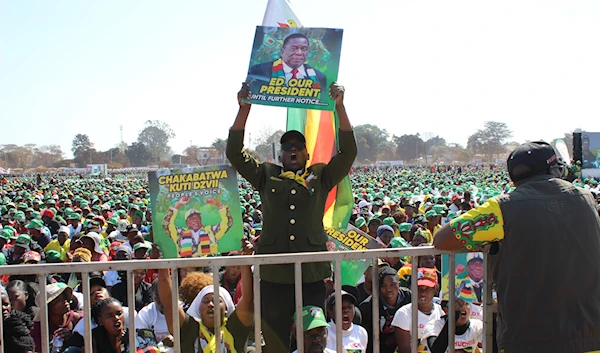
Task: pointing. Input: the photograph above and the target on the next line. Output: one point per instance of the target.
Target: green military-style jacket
(292, 216)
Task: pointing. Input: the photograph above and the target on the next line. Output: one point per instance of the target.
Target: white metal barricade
(42, 270)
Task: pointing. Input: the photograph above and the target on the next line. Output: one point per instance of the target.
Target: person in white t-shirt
(152, 317)
(428, 311)
(468, 332)
(476, 309)
(354, 337)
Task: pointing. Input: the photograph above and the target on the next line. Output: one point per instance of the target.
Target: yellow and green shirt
(479, 226)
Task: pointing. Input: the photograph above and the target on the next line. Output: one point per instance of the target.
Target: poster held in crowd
(97, 169)
(469, 273)
(196, 211)
(351, 239)
(590, 150)
(293, 67)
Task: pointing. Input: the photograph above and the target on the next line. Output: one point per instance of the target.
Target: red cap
(32, 256)
(427, 277)
(48, 212)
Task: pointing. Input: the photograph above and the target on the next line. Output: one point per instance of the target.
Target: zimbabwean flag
(320, 128)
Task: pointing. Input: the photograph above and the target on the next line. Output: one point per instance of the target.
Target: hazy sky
(72, 66)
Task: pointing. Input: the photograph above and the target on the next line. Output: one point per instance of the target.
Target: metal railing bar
(44, 310)
(298, 293)
(451, 302)
(2, 333)
(257, 314)
(131, 305)
(323, 256)
(297, 259)
(337, 281)
(87, 312)
(414, 295)
(217, 304)
(375, 303)
(488, 302)
(175, 305)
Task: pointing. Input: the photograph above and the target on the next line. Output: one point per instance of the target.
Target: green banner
(293, 67)
(196, 211)
(351, 239)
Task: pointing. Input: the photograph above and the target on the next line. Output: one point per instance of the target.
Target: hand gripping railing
(42, 270)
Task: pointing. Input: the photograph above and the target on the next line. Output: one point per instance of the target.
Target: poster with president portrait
(196, 211)
(294, 67)
(469, 274)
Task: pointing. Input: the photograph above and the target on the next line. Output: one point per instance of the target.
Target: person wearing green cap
(75, 225)
(433, 221)
(372, 225)
(138, 218)
(38, 233)
(361, 224)
(5, 238)
(405, 231)
(20, 222)
(111, 226)
(314, 324)
(140, 250)
(14, 255)
(53, 256)
(390, 221)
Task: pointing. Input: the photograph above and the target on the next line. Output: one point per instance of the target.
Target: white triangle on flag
(279, 13)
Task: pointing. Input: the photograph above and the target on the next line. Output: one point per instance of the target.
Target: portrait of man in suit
(291, 64)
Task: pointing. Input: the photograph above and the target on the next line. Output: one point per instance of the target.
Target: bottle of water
(57, 344)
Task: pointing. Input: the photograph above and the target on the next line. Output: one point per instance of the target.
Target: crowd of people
(55, 218)
(81, 219)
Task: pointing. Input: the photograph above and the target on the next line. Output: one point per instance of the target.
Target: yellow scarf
(211, 341)
(300, 179)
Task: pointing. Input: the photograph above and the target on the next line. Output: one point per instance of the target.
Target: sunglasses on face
(288, 146)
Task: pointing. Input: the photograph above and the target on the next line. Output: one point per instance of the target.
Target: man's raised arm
(245, 164)
(340, 164)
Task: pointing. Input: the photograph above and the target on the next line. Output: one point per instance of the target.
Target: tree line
(374, 144)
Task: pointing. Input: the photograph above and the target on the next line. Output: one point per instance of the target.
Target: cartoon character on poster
(196, 211)
(195, 237)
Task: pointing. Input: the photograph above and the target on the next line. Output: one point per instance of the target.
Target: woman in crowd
(6, 307)
(16, 336)
(191, 285)
(152, 317)
(98, 292)
(61, 319)
(21, 297)
(468, 332)
(391, 298)
(354, 337)
(428, 311)
(110, 335)
(198, 326)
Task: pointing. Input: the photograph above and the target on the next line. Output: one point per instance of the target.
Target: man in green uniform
(293, 201)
